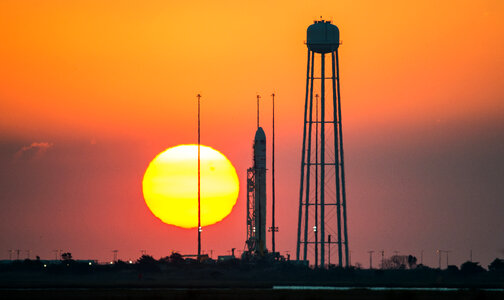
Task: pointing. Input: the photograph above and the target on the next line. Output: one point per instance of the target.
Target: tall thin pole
(273, 228)
(258, 97)
(199, 179)
(316, 180)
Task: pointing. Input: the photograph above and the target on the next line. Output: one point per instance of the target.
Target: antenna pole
(316, 181)
(258, 97)
(273, 228)
(199, 179)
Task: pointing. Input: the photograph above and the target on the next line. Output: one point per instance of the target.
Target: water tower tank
(322, 37)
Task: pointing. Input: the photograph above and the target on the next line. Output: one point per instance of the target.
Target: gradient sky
(92, 91)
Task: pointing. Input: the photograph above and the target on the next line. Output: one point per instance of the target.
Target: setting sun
(170, 186)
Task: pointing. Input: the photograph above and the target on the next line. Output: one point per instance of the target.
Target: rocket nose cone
(260, 134)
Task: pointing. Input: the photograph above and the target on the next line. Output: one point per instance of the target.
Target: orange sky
(126, 72)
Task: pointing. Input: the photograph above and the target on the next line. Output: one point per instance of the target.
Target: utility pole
(57, 254)
(421, 257)
(199, 179)
(382, 258)
(447, 258)
(115, 255)
(371, 259)
(439, 258)
(17, 253)
(10, 254)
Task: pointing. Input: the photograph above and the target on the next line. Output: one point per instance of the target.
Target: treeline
(177, 268)
(403, 262)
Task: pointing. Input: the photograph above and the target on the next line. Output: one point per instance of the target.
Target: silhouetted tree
(497, 265)
(120, 263)
(147, 263)
(164, 260)
(395, 262)
(470, 267)
(146, 260)
(66, 256)
(412, 261)
(176, 258)
(452, 269)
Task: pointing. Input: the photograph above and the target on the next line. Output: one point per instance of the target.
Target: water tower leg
(303, 166)
(308, 158)
(343, 185)
(322, 161)
(337, 161)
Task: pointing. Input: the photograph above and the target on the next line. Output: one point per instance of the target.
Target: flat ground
(119, 293)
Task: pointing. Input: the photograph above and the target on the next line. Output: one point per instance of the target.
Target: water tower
(322, 221)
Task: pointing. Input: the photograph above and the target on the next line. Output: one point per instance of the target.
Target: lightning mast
(199, 179)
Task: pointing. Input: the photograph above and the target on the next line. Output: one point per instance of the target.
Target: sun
(170, 186)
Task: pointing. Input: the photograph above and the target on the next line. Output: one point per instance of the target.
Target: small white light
(315, 228)
(199, 229)
(45, 266)
(130, 262)
(111, 262)
(90, 263)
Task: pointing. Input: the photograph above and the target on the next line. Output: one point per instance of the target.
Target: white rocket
(260, 189)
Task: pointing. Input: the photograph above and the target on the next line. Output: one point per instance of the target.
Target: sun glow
(170, 186)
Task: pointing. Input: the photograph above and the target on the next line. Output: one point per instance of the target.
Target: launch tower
(256, 197)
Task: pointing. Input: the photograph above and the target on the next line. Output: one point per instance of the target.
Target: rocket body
(260, 189)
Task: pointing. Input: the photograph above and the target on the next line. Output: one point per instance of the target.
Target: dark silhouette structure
(322, 195)
(256, 198)
(199, 178)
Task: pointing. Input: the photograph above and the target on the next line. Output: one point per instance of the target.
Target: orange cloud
(33, 151)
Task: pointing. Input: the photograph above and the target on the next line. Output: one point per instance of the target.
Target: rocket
(260, 189)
